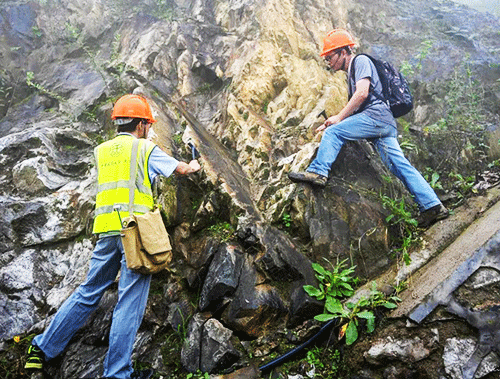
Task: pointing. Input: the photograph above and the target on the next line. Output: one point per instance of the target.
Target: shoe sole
(439, 217)
(33, 366)
(317, 184)
(442, 216)
(321, 185)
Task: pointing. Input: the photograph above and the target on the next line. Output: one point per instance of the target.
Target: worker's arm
(357, 99)
(160, 163)
(184, 168)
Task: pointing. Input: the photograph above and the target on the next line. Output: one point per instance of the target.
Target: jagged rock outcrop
(242, 81)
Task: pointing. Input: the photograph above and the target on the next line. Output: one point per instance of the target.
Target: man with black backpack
(375, 98)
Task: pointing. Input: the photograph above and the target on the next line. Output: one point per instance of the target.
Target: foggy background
(491, 6)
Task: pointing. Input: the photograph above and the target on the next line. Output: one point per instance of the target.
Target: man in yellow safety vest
(114, 159)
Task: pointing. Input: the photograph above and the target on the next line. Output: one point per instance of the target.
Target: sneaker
(35, 358)
(431, 215)
(308, 177)
(142, 374)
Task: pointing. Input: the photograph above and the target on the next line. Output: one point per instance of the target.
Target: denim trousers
(107, 259)
(384, 136)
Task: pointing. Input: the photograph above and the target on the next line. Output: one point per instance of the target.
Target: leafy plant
(463, 184)
(407, 242)
(399, 213)
(115, 46)
(182, 328)
(198, 375)
(495, 163)
(401, 286)
(335, 284)
(408, 146)
(97, 66)
(463, 103)
(37, 32)
(265, 104)
(30, 82)
(328, 363)
(351, 313)
(379, 299)
(313, 357)
(403, 219)
(5, 94)
(177, 138)
(408, 69)
(336, 361)
(387, 178)
(287, 220)
(222, 230)
(425, 47)
(73, 33)
(204, 88)
(432, 177)
(165, 9)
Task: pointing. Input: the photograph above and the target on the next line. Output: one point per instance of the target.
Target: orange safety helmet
(336, 39)
(132, 106)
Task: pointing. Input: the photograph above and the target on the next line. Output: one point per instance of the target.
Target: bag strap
(133, 175)
(371, 89)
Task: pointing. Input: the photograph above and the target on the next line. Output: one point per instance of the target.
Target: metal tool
(323, 113)
(116, 208)
(194, 152)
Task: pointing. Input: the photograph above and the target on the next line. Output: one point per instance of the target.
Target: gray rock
(457, 352)
(482, 278)
(39, 278)
(18, 291)
(223, 276)
(282, 261)
(303, 306)
(217, 350)
(391, 348)
(192, 348)
(255, 308)
(393, 372)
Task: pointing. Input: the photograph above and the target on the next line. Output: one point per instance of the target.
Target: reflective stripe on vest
(113, 161)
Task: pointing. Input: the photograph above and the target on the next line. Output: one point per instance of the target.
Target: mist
(491, 6)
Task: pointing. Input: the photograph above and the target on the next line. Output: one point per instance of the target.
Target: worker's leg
(133, 290)
(394, 159)
(352, 128)
(104, 266)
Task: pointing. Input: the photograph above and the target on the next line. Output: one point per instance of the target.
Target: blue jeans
(133, 288)
(384, 136)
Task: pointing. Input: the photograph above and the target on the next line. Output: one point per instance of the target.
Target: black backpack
(395, 88)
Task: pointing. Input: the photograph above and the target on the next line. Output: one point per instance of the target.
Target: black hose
(278, 361)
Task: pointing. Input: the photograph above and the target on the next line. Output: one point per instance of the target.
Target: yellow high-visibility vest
(114, 170)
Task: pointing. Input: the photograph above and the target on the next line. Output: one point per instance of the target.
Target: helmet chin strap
(344, 68)
(343, 64)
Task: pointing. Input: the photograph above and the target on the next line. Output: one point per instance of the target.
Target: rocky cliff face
(243, 81)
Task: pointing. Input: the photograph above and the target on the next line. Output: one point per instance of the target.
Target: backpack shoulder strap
(351, 73)
(372, 90)
(378, 68)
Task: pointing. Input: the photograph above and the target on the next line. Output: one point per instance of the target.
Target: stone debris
(457, 352)
(390, 349)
